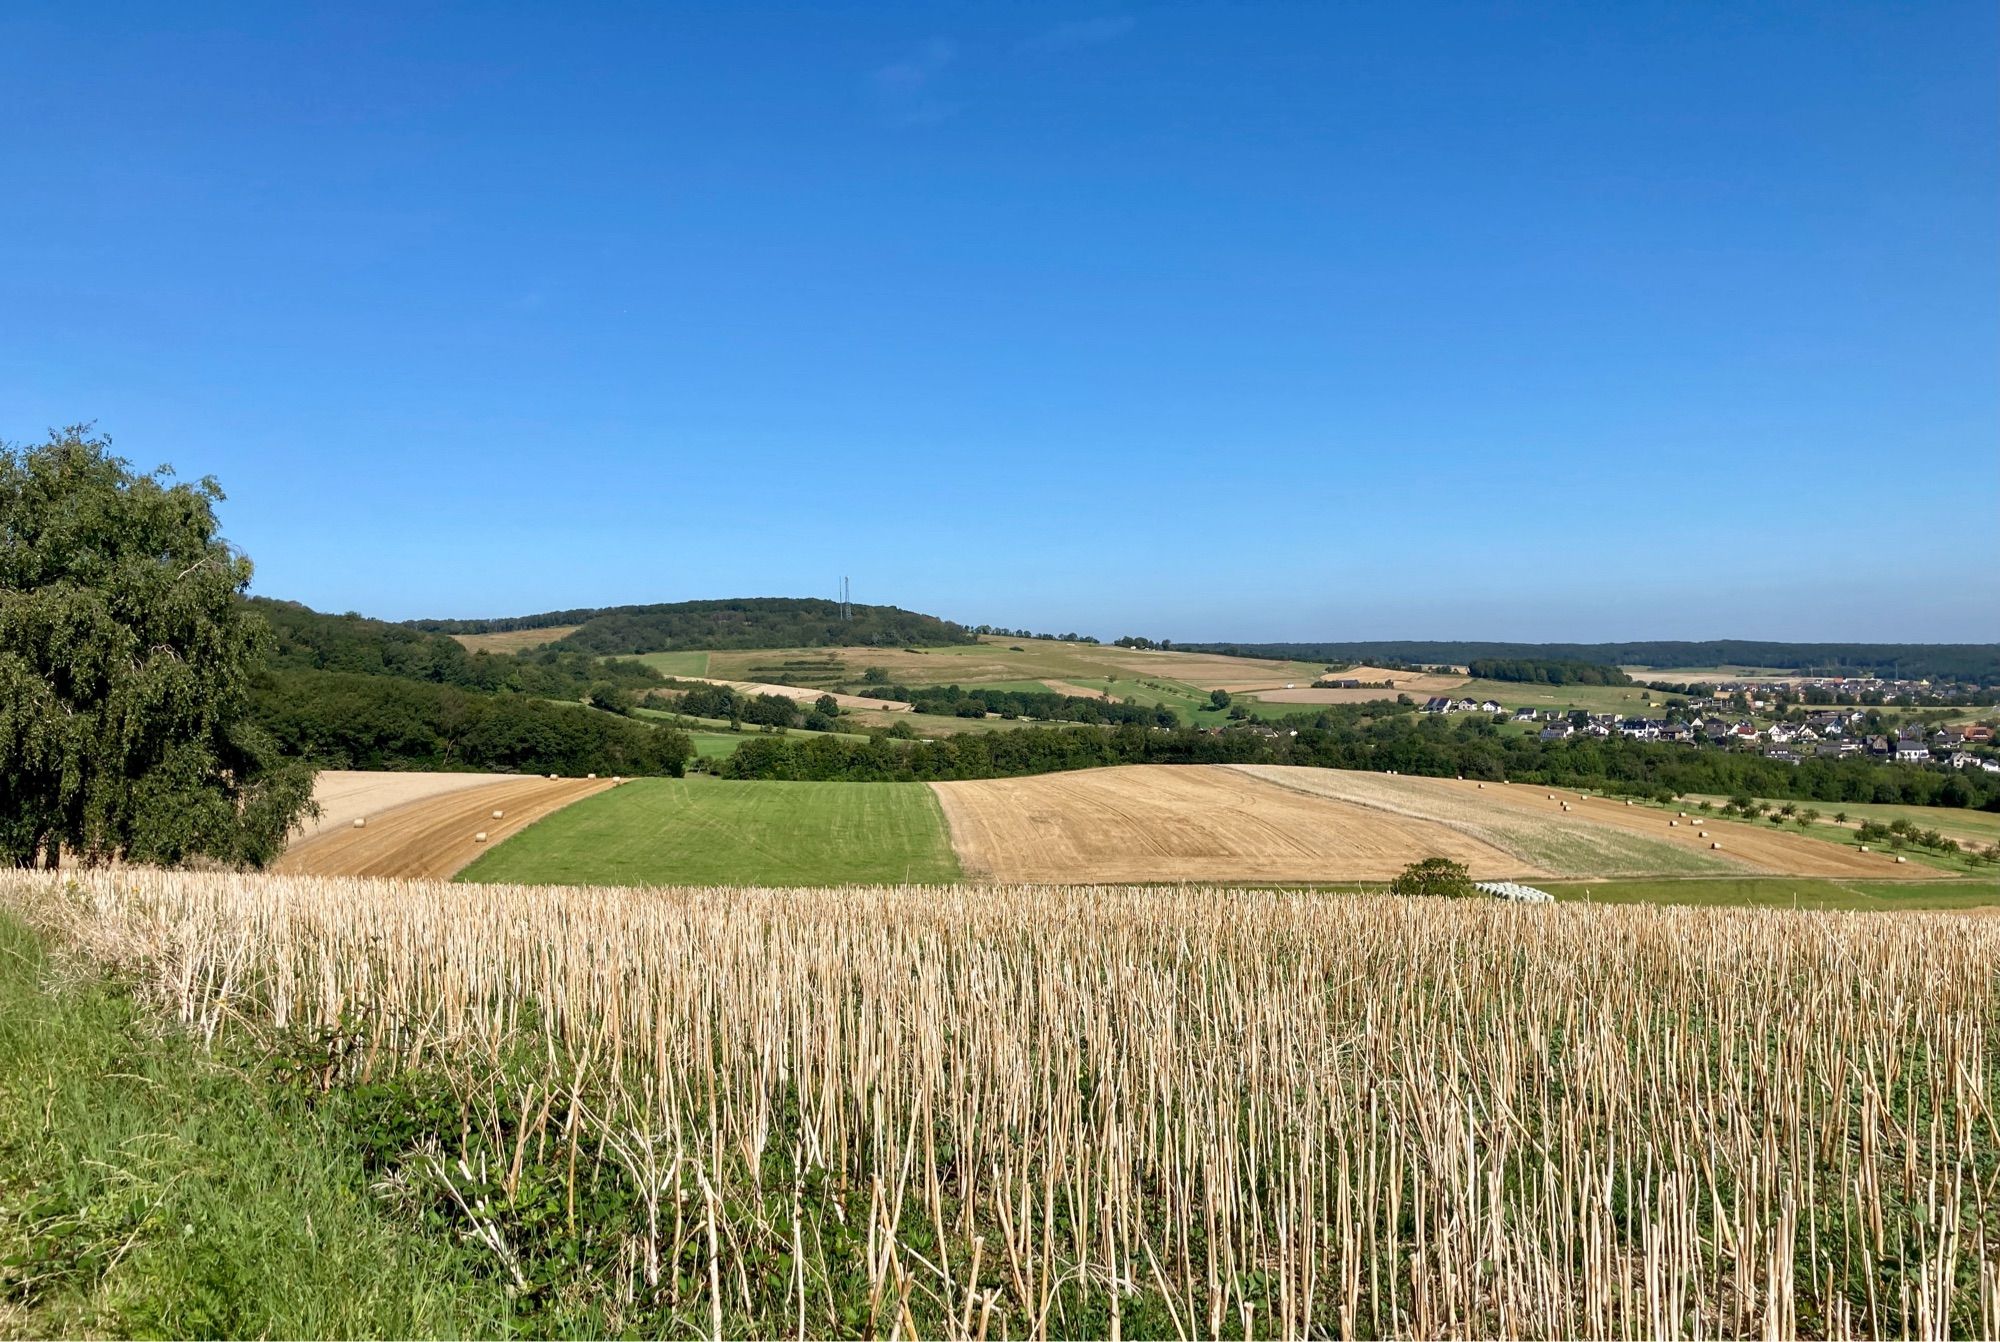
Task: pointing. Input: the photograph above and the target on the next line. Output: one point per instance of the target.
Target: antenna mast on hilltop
(846, 606)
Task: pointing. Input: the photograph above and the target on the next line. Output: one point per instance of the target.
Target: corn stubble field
(1011, 1111)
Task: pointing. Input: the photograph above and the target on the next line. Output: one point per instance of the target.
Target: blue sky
(1195, 320)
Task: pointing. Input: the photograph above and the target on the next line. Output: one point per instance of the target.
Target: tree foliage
(1438, 876)
(342, 720)
(126, 656)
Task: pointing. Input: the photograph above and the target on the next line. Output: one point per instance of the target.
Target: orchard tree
(126, 655)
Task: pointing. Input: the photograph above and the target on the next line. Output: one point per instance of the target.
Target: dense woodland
(1545, 671)
(749, 622)
(354, 693)
(344, 720)
(1977, 663)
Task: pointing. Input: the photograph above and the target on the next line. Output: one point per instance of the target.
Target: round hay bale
(1715, 845)
(1684, 815)
(1901, 858)
(1864, 847)
(361, 822)
(498, 815)
(1673, 824)
(479, 837)
(590, 775)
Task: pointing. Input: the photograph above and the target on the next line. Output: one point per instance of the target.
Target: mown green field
(1785, 892)
(675, 663)
(711, 831)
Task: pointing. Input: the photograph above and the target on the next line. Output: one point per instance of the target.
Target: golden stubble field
(1171, 822)
(1032, 1112)
(1595, 836)
(1278, 823)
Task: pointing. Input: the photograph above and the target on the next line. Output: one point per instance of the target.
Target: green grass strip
(148, 1190)
(712, 831)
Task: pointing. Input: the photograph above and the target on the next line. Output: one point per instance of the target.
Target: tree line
(1545, 671)
(1048, 706)
(1976, 663)
(699, 699)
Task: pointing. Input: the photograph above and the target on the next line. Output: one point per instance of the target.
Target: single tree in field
(126, 655)
(1218, 699)
(1434, 876)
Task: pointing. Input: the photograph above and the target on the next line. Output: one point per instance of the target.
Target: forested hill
(1977, 662)
(746, 622)
(349, 692)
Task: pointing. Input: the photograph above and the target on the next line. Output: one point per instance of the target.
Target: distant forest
(1535, 671)
(352, 693)
(1978, 663)
(751, 622)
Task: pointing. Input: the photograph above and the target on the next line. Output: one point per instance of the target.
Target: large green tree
(126, 655)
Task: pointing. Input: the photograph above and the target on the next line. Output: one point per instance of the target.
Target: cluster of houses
(1827, 735)
(1447, 704)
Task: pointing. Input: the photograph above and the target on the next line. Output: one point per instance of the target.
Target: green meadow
(712, 831)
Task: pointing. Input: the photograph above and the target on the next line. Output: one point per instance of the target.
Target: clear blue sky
(1195, 320)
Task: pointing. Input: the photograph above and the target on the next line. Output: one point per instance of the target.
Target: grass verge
(148, 1189)
(1785, 892)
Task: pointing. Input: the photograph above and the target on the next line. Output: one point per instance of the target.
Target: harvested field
(1020, 1112)
(1556, 842)
(1416, 684)
(1521, 816)
(347, 795)
(515, 640)
(433, 835)
(804, 695)
(1160, 822)
(1080, 691)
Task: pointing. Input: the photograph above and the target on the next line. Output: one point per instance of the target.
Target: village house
(1557, 731)
(1912, 752)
